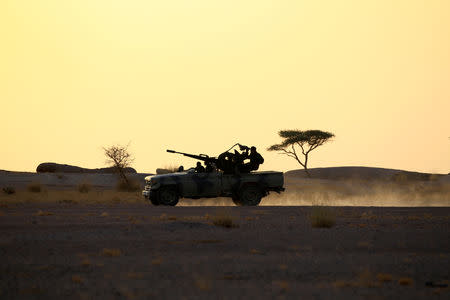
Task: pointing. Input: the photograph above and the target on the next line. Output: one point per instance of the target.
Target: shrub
(157, 261)
(68, 201)
(322, 217)
(77, 279)
(86, 262)
(111, 252)
(203, 284)
(44, 213)
(224, 219)
(405, 281)
(9, 190)
(34, 187)
(132, 185)
(84, 187)
(384, 277)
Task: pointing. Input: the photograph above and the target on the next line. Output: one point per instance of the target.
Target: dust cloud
(307, 192)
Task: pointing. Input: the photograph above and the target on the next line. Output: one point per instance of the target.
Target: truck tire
(250, 195)
(168, 196)
(154, 201)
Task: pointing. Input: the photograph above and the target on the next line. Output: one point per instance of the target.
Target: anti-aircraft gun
(202, 157)
(227, 162)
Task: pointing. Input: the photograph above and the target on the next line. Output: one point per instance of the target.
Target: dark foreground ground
(136, 251)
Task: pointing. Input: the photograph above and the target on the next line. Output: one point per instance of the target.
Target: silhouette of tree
(119, 157)
(306, 140)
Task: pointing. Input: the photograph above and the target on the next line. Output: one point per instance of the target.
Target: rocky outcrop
(49, 167)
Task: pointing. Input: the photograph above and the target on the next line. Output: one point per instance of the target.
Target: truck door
(203, 185)
(230, 184)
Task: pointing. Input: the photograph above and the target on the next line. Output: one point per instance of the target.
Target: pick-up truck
(244, 189)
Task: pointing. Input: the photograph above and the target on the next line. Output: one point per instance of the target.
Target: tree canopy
(306, 140)
(119, 157)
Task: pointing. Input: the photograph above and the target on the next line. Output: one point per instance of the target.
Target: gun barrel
(202, 157)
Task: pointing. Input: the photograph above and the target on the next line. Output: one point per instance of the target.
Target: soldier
(208, 167)
(199, 168)
(255, 160)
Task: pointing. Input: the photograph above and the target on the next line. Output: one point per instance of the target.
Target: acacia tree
(307, 141)
(119, 157)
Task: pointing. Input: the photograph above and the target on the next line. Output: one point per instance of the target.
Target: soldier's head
(253, 149)
(199, 164)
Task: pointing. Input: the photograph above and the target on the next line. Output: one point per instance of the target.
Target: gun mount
(227, 162)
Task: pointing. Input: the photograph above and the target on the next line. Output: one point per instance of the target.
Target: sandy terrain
(137, 251)
(390, 239)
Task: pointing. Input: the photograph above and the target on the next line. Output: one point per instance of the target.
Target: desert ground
(136, 251)
(321, 239)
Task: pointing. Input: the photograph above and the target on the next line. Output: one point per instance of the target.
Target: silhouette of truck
(245, 189)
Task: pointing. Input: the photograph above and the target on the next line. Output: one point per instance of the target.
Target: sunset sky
(200, 75)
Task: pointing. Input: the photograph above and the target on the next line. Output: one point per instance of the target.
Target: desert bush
(84, 187)
(384, 277)
(68, 201)
(322, 217)
(34, 187)
(203, 284)
(364, 279)
(9, 190)
(77, 279)
(133, 185)
(157, 261)
(224, 221)
(223, 218)
(44, 213)
(111, 252)
(86, 262)
(405, 281)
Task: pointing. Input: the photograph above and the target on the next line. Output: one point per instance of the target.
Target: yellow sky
(199, 76)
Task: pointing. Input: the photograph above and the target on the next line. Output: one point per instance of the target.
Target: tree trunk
(306, 166)
(307, 172)
(124, 177)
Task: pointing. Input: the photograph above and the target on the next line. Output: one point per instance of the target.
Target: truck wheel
(168, 196)
(250, 196)
(154, 201)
